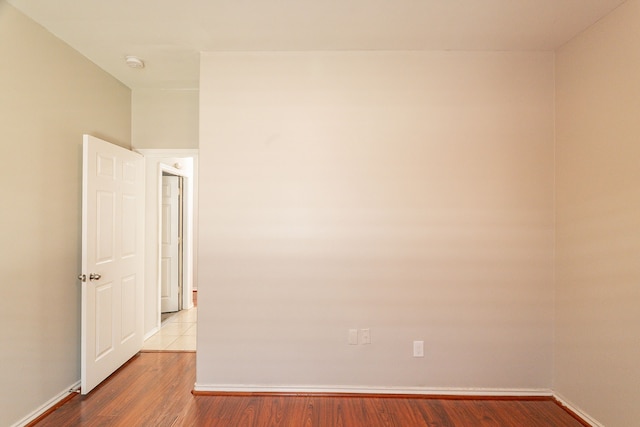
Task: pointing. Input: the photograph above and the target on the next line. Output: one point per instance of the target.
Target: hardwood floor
(154, 389)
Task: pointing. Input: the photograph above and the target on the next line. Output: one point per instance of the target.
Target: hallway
(177, 333)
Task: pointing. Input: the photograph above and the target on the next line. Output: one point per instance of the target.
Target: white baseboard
(44, 408)
(579, 412)
(480, 392)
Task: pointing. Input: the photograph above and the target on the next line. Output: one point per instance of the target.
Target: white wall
(598, 219)
(49, 96)
(164, 119)
(410, 193)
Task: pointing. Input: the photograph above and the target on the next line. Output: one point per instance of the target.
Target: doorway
(182, 164)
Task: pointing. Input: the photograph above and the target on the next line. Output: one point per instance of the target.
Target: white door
(112, 259)
(169, 265)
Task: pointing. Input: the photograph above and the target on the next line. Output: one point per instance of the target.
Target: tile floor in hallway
(177, 333)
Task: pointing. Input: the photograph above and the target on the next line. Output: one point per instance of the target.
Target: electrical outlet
(353, 337)
(365, 336)
(418, 349)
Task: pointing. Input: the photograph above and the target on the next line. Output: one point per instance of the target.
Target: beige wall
(408, 193)
(164, 118)
(598, 219)
(49, 96)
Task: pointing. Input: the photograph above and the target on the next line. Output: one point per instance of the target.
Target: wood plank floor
(154, 389)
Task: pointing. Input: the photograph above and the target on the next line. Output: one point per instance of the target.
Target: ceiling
(169, 34)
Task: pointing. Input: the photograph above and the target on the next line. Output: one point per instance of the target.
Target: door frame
(176, 230)
(183, 163)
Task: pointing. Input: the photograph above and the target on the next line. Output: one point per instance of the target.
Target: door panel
(112, 259)
(105, 211)
(129, 226)
(104, 319)
(128, 307)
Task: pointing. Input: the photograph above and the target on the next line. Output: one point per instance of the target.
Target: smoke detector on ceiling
(134, 62)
